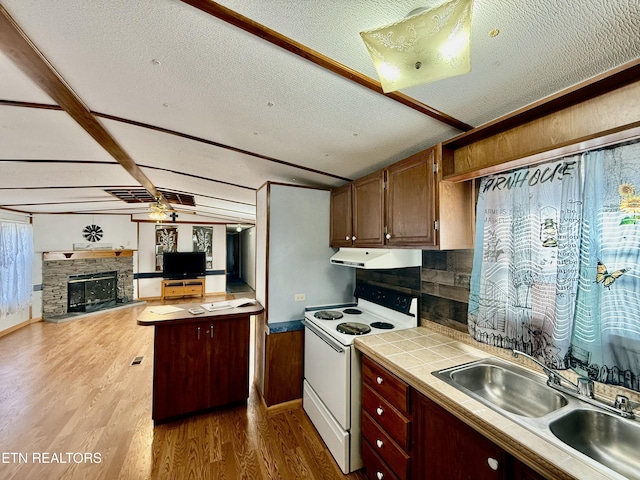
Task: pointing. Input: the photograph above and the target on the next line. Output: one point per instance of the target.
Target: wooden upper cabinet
(410, 201)
(341, 229)
(405, 205)
(368, 210)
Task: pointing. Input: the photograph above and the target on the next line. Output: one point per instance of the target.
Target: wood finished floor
(68, 391)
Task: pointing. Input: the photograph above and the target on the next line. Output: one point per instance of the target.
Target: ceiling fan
(159, 210)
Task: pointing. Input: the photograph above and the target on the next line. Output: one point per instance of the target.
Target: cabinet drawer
(192, 290)
(386, 385)
(174, 291)
(375, 468)
(391, 420)
(384, 446)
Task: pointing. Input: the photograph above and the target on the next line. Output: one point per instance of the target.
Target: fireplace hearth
(91, 292)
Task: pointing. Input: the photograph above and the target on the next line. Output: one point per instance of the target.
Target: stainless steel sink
(607, 439)
(508, 388)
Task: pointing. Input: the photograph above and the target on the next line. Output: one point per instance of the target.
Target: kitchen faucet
(583, 390)
(554, 377)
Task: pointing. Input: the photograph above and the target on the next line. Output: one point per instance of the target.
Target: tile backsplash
(442, 285)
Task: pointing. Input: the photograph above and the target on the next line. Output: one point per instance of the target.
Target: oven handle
(323, 337)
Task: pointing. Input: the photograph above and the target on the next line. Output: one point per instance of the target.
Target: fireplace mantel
(82, 254)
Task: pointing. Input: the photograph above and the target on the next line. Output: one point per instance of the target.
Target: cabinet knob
(388, 236)
(379, 443)
(347, 237)
(493, 463)
(379, 411)
(353, 238)
(379, 475)
(379, 380)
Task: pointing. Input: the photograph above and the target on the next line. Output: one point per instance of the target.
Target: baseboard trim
(20, 325)
(282, 407)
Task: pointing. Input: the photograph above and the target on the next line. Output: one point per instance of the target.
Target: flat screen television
(183, 265)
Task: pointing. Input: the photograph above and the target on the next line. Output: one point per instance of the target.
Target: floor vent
(136, 361)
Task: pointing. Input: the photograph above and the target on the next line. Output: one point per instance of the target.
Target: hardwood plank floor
(72, 407)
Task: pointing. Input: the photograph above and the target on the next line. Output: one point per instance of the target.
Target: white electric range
(332, 378)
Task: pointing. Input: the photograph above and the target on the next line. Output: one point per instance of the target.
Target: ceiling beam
(22, 51)
(43, 106)
(244, 23)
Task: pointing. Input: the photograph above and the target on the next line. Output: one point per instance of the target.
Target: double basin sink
(601, 438)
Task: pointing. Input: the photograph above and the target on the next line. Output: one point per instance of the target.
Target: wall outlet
(300, 297)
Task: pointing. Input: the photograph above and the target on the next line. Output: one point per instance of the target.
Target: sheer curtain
(556, 270)
(606, 337)
(16, 259)
(524, 275)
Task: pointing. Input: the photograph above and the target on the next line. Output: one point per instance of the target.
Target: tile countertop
(414, 353)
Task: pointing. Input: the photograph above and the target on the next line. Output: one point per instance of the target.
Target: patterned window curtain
(16, 259)
(606, 337)
(525, 267)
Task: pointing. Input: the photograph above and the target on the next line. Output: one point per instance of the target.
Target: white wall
(299, 252)
(248, 256)
(151, 287)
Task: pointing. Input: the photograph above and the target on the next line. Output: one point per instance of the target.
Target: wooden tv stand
(183, 287)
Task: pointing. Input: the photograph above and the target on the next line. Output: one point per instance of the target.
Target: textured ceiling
(209, 110)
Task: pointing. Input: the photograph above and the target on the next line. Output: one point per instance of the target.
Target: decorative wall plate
(93, 233)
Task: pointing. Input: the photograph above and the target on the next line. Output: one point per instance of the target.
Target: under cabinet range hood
(377, 258)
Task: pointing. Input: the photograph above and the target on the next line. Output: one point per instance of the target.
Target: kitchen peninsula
(200, 360)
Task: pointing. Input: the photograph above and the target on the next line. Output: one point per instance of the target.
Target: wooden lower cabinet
(199, 365)
(445, 448)
(183, 288)
(448, 449)
(405, 435)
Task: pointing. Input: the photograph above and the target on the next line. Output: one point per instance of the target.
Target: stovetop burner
(352, 311)
(383, 325)
(353, 328)
(328, 315)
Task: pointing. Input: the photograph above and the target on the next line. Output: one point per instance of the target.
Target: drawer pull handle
(379, 475)
(493, 463)
(379, 443)
(379, 411)
(379, 380)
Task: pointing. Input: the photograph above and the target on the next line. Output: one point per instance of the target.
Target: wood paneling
(284, 367)
(586, 122)
(589, 89)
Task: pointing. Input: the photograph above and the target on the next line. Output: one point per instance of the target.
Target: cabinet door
(341, 217)
(228, 351)
(448, 449)
(519, 471)
(368, 211)
(180, 370)
(411, 201)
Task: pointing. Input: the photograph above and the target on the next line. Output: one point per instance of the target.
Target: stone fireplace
(84, 281)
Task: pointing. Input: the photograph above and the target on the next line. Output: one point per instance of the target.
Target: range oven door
(327, 366)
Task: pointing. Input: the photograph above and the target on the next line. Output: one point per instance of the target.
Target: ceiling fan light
(158, 211)
(422, 48)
